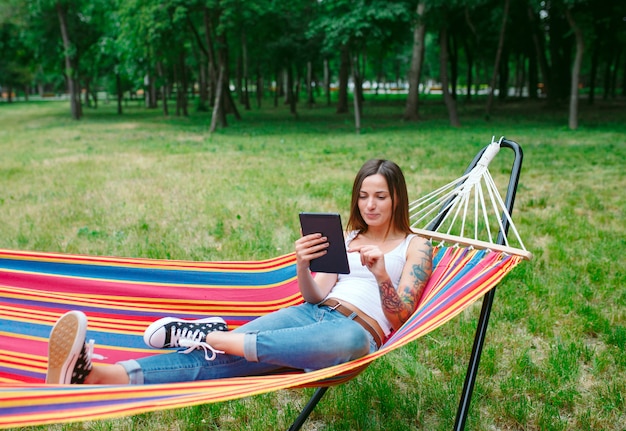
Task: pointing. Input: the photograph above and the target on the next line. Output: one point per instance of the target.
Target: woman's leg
(175, 367)
(305, 337)
(107, 375)
(328, 339)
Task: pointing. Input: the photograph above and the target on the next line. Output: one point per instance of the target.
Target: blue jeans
(304, 337)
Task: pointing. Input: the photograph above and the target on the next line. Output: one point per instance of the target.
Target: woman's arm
(313, 289)
(398, 304)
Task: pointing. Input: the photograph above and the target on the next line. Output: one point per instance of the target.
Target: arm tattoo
(402, 302)
(390, 299)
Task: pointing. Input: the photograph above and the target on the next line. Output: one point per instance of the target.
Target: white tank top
(360, 287)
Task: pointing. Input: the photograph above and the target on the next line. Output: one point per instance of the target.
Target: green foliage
(168, 40)
(357, 24)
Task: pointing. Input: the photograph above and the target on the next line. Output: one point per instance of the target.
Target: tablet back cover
(329, 225)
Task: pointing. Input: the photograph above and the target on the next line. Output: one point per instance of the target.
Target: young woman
(344, 317)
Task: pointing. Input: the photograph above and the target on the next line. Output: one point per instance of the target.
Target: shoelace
(178, 334)
(195, 344)
(90, 354)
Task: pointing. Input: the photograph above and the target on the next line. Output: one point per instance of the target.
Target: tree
(496, 66)
(69, 55)
(580, 48)
(15, 64)
(417, 57)
(445, 87)
(171, 47)
(348, 27)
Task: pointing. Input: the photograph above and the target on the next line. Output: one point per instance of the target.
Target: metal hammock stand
(454, 201)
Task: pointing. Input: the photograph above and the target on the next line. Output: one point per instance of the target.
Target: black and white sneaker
(171, 332)
(69, 357)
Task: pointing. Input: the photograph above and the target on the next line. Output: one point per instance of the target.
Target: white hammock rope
(453, 204)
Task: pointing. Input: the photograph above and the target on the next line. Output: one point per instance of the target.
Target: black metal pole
(304, 414)
(483, 321)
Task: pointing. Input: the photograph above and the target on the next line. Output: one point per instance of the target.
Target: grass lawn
(143, 185)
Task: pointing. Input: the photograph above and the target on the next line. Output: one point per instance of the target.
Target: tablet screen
(329, 225)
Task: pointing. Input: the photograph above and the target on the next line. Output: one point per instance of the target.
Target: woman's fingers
(312, 246)
(370, 255)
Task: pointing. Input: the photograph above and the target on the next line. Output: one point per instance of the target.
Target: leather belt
(369, 324)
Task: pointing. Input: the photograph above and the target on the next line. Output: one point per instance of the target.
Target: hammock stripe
(121, 296)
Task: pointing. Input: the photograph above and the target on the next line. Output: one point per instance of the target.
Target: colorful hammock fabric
(121, 296)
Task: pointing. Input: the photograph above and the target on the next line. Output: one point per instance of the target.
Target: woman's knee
(354, 341)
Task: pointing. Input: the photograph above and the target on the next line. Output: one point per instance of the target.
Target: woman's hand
(310, 247)
(372, 258)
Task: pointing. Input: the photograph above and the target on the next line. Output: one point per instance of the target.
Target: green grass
(144, 185)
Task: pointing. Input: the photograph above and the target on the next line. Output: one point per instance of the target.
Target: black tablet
(329, 225)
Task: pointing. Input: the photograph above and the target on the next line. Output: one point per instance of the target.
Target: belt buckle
(334, 307)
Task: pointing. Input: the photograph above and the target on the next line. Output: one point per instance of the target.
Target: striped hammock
(121, 296)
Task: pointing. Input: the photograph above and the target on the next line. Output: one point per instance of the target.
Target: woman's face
(375, 202)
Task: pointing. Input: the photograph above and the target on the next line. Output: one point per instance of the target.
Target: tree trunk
(309, 85)
(443, 63)
(580, 48)
(228, 99)
(624, 78)
(533, 78)
(344, 74)
(519, 77)
(150, 91)
(357, 96)
(539, 51)
(69, 69)
(327, 81)
(176, 85)
(358, 82)
(226, 95)
(239, 77)
(212, 70)
(411, 110)
(163, 88)
(615, 69)
(87, 93)
(77, 89)
(453, 55)
(244, 59)
(593, 73)
(298, 83)
(291, 98)
(277, 87)
(496, 66)
(469, 55)
(184, 84)
(120, 94)
(503, 75)
(219, 116)
(259, 87)
(202, 74)
(203, 83)
(153, 93)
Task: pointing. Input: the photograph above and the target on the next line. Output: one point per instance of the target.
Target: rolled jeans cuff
(134, 371)
(249, 347)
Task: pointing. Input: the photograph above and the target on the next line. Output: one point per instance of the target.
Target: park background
(167, 161)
